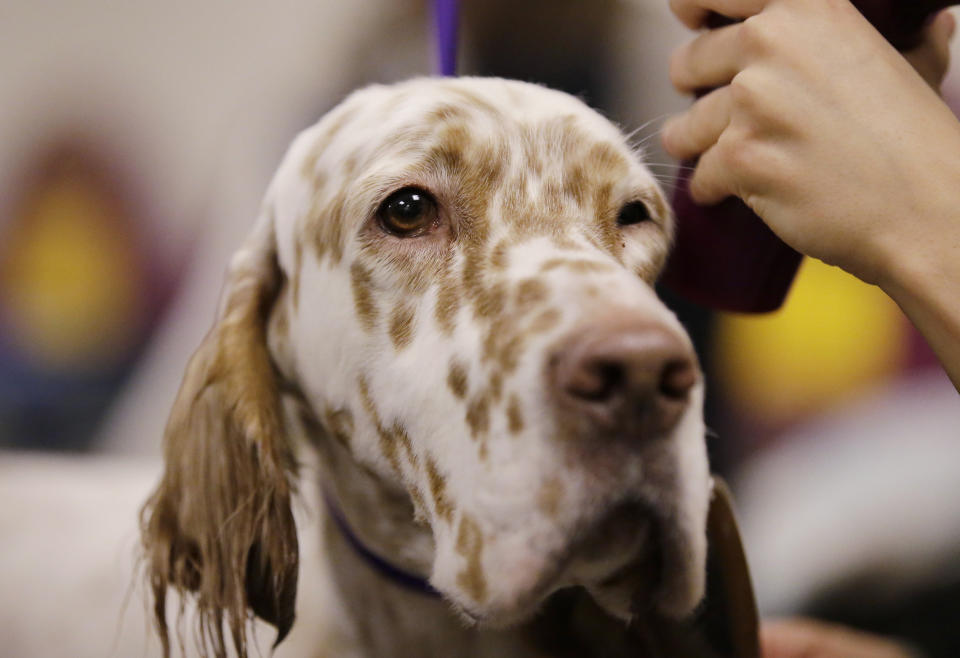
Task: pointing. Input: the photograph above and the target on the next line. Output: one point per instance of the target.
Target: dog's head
(454, 277)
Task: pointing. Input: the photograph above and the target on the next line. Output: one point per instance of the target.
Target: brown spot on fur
(325, 224)
(471, 578)
(514, 415)
(577, 265)
(448, 304)
(476, 102)
(297, 269)
(496, 386)
(457, 379)
(478, 414)
(549, 496)
(575, 184)
(419, 506)
(339, 424)
(438, 489)
(361, 282)
(530, 293)
(401, 325)
(552, 198)
(648, 271)
(510, 351)
(447, 156)
(388, 440)
(545, 321)
(498, 257)
(606, 159)
(448, 112)
(564, 242)
(491, 301)
(400, 436)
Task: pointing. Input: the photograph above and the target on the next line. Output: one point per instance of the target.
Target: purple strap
(445, 14)
(396, 574)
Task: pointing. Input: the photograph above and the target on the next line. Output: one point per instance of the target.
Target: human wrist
(923, 263)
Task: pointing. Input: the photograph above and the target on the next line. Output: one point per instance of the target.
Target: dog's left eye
(408, 212)
(633, 213)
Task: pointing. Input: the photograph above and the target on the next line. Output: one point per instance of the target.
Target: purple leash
(446, 18)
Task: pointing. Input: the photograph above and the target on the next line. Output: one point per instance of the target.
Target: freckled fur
(388, 439)
(401, 325)
(457, 379)
(470, 488)
(438, 489)
(470, 545)
(514, 415)
(550, 496)
(361, 284)
(339, 423)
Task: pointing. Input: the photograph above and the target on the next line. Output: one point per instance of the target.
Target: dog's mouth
(618, 560)
(623, 567)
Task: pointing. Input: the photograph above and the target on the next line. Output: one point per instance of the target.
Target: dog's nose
(631, 378)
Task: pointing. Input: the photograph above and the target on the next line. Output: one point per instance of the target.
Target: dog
(446, 308)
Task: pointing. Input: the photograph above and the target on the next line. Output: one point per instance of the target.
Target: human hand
(821, 127)
(804, 638)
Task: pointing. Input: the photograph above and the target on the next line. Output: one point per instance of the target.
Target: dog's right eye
(408, 212)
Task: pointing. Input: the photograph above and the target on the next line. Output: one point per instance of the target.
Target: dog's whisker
(670, 165)
(630, 135)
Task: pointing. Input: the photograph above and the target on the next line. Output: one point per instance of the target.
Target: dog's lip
(636, 565)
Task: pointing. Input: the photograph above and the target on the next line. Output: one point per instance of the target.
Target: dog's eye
(633, 213)
(408, 212)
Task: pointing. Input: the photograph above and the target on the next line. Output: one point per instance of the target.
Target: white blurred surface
(869, 492)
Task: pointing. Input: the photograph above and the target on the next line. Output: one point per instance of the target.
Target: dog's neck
(387, 614)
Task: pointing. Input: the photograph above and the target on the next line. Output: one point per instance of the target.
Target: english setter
(448, 299)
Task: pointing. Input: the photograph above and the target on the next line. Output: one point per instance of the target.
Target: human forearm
(925, 283)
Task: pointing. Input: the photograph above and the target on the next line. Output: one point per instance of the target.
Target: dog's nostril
(597, 381)
(677, 380)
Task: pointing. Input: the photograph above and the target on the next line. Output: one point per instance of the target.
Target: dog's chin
(627, 563)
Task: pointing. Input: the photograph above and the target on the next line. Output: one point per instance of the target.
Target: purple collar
(445, 13)
(400, 577)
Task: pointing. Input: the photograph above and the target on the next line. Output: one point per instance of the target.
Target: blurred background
(138, 139)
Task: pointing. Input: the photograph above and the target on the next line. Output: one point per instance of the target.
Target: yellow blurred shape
(70, 282)
(834, 337)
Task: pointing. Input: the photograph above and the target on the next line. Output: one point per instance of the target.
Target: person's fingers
(932, 57)
(693, 13)
(693, 132)
(711, 181)
(710, 60)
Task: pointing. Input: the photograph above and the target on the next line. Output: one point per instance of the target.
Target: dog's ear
(220, 522)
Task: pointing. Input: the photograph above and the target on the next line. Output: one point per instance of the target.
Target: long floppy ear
(220, 522)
